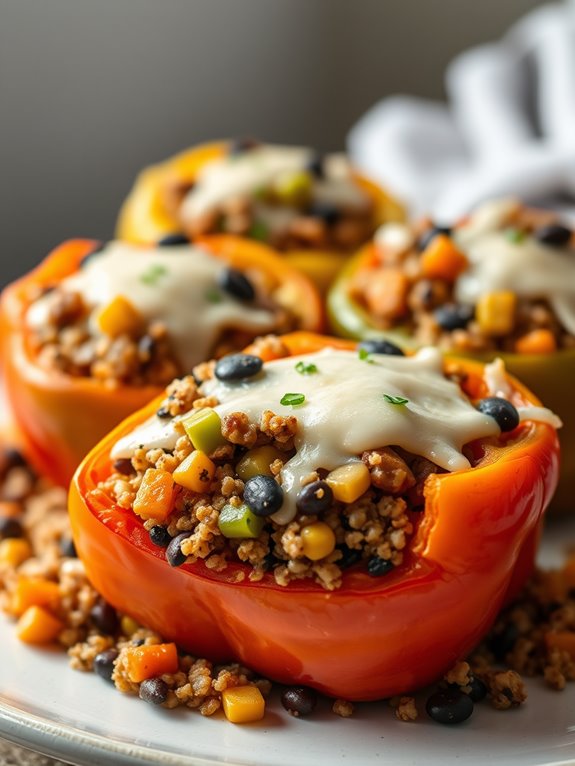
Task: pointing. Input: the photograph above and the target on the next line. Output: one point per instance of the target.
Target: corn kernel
(495, 312)
(119, 317)
(318, 540)
(256, 462)
(348, 482)
(38, 626)
(195, 472)
(128, 625)
(14, 551)
(243, 704)
(293, 188)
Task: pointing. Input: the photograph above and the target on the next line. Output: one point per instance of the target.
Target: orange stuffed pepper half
(347, 520)
(96, 332)
(501, 283)
(314, 208)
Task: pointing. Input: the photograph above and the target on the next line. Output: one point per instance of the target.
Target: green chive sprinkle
(153, 274)
(395, 399)
(365, 356)
(306, 369)
(213, 295)
(292, 400)
(259, 231)
(515, 235)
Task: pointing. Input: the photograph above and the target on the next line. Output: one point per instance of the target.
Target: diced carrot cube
(195, 472)
(34, 591)
(536, 342)
(38, 626)
(151, 661)
(119, 317)
(243, 704)
(154, 499)
(442, 260)
(14, 551)
(386, 293)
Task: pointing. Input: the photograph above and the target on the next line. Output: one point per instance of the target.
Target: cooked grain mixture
(142, 316)
(503, 279)
(534, 636)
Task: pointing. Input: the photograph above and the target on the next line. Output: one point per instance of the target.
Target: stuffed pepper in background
(346, 518)
(499, 284)
(313, 207)
(95, 331)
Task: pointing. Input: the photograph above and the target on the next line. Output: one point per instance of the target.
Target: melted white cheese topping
(245, 174)
(174, 285)
(527, 268)
(345, 412)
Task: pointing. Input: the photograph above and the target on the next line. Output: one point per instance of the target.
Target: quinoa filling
(289, 197)
(313, 486)
(501, 280)
(143, 316)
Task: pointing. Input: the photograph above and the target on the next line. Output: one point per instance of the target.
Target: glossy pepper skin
(62, 417)
(549, 376)
(145, 217)
(373, 637)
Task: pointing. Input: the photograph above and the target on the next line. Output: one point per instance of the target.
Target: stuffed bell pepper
(500, 283)
(95, 331)
(313, 207)
(345, 518)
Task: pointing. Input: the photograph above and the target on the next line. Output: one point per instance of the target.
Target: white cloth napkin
(509, 127)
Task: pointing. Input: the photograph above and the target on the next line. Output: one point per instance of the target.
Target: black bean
(377, 566)
(454, 316)
(97, 249)
(237, 367)
(154, 690)
(349, 558)
(503, 641)
(299, 700)
(326, 211)
(263, 495)
(138, 641)
(502, 411)
(449, 706)
(315, 498)
(431, 233)
(124, 466)
(147, 347)
(104, 617)
(478, 690)
(67, 548)
(553, 235)
(241, 145)
(174, 555)
(10, 527)
(236, 284)
(104, 663)
(160, 536)
(315, 165)
(171, 240)
(380, 347)
(12, 458)
(163, 413)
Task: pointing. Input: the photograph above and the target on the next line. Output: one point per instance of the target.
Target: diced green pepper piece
(204, 429)
(239, 522)
(294, 188)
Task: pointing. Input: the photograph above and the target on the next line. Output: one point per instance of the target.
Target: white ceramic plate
(78, 717)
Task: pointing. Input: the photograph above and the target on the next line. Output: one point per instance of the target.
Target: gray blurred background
(92, 90)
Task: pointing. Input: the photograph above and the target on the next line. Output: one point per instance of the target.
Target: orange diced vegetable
(386, 293)
(348, 482)
(563, 640)
(195, 472)
(119, 317)
(154, 499)
(34, 591)
(151, 661)
(38, 626)
(14, 551)
(536, 342)
(495, 312)
(442, 260)
(9, 510)
(243, 704)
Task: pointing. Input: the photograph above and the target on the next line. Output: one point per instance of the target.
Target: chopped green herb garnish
(213, 295)
(365, 356)
(306, 369)
(515, 235)
(292, 400)
(395, 399)
(259, 231)
(153, 274)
